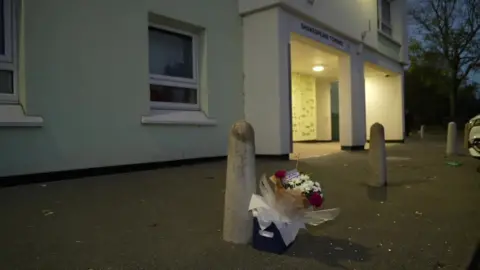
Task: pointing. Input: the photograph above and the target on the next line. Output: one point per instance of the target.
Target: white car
(474, 136)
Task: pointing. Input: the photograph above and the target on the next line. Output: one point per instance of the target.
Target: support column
(352, 103)
(266, 81)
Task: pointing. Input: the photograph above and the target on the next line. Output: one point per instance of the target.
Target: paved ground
(309, 150)
(303, 150)
(429, 218)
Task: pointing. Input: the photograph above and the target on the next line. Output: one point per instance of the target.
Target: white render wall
(92, 98)
(86, 74)
(351, 89)
(348, 18)
(384, 103)
(266, 81)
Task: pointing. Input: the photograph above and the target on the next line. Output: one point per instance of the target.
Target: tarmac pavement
(427, 218)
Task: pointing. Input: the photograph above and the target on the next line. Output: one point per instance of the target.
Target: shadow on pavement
(410, 182)
(330, 251)
(475, 262)
(379, 194)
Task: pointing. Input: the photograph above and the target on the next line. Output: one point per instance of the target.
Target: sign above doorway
(324, 36)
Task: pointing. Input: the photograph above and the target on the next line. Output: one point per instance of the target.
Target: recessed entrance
(306, 88)
(314, 97)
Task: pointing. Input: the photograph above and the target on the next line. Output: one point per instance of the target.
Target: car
(473, 138)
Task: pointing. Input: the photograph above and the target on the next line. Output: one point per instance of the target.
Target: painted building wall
(86, 73)
(266, 82)
(384, 104)
(351, 95)
(349, 18)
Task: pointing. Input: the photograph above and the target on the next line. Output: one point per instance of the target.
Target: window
(7, 52)
(385, 18)
(173, 69)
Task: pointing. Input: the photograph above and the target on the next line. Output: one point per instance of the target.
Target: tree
(426, 94)
(429, 66)
(450, 28)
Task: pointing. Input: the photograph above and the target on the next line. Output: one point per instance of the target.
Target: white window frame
(383, 23)
(193, 83)
(8, 61)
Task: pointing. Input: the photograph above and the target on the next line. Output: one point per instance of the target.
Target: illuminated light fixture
(318, 68)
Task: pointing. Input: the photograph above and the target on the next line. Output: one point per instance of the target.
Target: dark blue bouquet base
(273, 244)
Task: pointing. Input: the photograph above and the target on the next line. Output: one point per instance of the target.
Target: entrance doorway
(314, 98)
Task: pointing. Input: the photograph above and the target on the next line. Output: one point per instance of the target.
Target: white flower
(304, 177)
(303, 183)
(306, 186)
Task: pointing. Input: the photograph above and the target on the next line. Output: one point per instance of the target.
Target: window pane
(163, 93)
(6, 82)
(386, 29)
(2, 28)
(170, 53)
(386, 11)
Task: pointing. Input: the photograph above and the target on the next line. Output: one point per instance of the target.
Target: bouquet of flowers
(288, 201)
(301, 185)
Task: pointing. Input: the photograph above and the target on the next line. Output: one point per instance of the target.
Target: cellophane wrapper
(289, 206)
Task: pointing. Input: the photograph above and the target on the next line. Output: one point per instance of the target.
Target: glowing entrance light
(318, 68)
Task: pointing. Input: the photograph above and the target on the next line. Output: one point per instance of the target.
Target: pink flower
(316, 199)
(280, 174)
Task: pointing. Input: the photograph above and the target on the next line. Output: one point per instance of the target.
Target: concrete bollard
(422, 131)
(452, 139)
(377, 156)
(240, 184)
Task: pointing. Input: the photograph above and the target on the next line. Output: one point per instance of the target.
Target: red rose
(316, 199)
(281, 174)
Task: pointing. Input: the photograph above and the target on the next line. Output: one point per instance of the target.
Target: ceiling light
(318, 68)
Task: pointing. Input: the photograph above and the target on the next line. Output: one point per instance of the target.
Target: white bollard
(240, 184)
(377, 156)
(422, 131)
(452, 139)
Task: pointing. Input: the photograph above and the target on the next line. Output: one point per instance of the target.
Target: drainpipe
(363, 36)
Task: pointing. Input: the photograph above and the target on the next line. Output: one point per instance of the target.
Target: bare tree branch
(451, 28)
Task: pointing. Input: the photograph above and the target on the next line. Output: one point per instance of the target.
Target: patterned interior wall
(303, 107)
